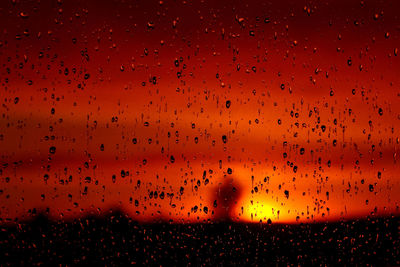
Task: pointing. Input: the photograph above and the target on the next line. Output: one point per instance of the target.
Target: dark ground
(117, 240)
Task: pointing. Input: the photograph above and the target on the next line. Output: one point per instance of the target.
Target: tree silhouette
(225, 199)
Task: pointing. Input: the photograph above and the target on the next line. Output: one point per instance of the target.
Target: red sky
(139, 91)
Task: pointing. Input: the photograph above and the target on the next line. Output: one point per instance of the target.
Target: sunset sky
(197, 110)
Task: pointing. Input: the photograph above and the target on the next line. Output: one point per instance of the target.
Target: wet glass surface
(215, 132)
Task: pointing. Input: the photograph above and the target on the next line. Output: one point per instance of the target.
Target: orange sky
(311, 129)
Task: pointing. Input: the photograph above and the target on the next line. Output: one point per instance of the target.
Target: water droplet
(52, 150)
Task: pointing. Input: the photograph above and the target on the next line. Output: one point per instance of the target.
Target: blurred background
(196, 111)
